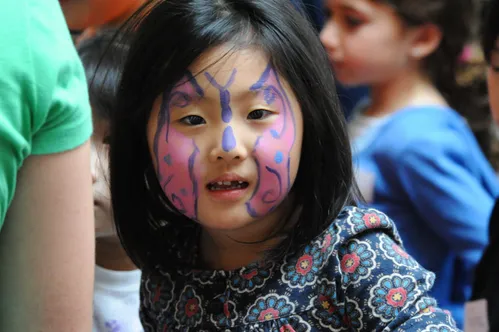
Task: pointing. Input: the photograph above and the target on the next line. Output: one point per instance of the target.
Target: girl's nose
(329, 36)
(229, 147)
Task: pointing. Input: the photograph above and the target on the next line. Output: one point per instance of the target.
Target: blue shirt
(430, 176)
(355, 276)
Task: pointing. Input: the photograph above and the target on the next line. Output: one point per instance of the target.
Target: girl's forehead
(230, 69)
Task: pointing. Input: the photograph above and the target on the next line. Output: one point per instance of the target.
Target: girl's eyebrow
(195, 92)
(189, 79)
(251, 92)
(348, 7)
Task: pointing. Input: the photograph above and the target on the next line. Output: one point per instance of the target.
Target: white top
(361, 124)
(358, 127)
(116, 301)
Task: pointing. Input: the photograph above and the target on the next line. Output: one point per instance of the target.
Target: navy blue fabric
(355, 276)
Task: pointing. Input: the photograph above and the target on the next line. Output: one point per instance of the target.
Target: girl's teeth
(237, 186)
(227, 185)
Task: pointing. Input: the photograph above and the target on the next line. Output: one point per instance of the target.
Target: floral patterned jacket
(355, 276)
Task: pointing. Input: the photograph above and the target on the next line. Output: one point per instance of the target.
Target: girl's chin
(225, 222)
(351, 83)
(347, 79)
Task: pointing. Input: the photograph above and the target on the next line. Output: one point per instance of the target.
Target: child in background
(231, 176)
(486, 285)
(417, 159)
(117, 279)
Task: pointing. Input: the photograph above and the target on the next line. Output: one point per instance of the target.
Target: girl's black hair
(456, 20)
(102, 57)
(490, 27)
(168, 36)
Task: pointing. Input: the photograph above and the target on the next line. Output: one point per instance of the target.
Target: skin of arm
(47, 246)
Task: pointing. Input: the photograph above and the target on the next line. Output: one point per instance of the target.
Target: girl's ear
(424, 40)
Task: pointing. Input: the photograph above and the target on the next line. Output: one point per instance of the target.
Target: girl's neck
(110, 255)
(229, 250)
(409, 88)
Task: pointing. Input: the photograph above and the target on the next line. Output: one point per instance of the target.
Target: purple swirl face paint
(177, 155)
(228, 139)
(272, 150)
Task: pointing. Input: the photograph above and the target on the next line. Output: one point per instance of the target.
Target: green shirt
(44, 106)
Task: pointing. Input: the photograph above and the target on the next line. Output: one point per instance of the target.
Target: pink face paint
(272, 150)
(176, 154)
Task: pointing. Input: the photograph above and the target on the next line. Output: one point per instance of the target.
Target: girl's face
(365, 41)
(493, 81)
(226, 142)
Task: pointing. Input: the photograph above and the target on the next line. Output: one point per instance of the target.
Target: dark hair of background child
(102, 57)
(168, 37)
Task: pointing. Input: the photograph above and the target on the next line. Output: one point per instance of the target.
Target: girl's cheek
(178, 171)
(272, 151)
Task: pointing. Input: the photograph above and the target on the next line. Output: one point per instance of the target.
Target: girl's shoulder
(418, 121)
(428, 115)
(422, 129)
(358, 222)
(353, 226)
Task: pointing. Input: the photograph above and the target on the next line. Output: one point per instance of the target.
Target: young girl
(231, 174)
(417, 159)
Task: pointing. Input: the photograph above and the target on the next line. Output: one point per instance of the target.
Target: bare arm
(47, 246)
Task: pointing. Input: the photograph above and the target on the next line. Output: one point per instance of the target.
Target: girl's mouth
(228, 188)
(227, 185)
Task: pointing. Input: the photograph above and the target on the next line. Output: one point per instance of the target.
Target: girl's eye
(258, 114)
(353, 22)
(192, 120)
